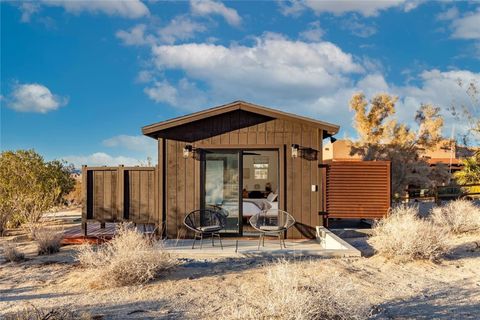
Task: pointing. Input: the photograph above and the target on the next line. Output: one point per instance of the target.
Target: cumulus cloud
(102, 159)
(185, 95)
(34, 97)
(137, 143)
(180, 28)
(131, 9)
(274, 66)
(209, 7)
(467, 26)
(28, 9)
(358, 28)
(313, 33)
(449, 14)
(365, 8)
(135, 36)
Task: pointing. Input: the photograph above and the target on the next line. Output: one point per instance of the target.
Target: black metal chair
(272, 222)
(205, 222)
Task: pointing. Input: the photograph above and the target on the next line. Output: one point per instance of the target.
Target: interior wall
(249, 180)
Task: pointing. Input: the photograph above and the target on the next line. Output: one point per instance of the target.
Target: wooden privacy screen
(357, 189)
(119, 193)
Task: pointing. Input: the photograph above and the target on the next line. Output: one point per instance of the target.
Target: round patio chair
(205, 222)
(272, 222)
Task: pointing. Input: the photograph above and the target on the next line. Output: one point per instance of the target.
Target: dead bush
(291, 293)
(458, 216)
(48, 239)
(11, 253)
(128, 259)
(405, 236)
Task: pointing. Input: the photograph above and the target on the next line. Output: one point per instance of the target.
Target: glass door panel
(221, 183)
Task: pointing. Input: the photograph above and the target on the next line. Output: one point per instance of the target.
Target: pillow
(272, 196)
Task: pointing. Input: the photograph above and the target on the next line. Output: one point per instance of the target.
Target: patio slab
(332, 247)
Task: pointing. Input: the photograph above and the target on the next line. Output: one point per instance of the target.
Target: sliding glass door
(221, 182)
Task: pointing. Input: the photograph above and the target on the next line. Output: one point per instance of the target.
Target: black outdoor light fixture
(295, 149)
(306, 153)
(332, 139)
(188, 150)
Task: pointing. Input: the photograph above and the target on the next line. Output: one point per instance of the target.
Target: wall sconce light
(295, 149)
(187, 151)
(332, 139)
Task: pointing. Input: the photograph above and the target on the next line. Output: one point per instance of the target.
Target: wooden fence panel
(116, 194)
(357, 189)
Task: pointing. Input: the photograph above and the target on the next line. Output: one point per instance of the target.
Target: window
(260, 168)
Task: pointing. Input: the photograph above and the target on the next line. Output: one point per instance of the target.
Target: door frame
(240, 148)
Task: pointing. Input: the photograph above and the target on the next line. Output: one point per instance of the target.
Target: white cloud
(180, 28)
(34, 97)
(102, 159)
(131, 9)
(449, 14)
(365, 8)
(208, 7)
(162, 91)
(271, 67)
(28, 9)
(313, 33)
(359, 28)
(467, 27)
(185, 95)
(134, 143)
(135, 36)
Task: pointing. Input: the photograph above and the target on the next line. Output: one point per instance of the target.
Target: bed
(250, 207)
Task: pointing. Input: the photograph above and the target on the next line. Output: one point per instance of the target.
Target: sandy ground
(206, 289)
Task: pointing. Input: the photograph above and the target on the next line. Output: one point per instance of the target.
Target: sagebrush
(458, 216)
(406, 236)
(11, 252)
(291, 293)
(128, 259)
(49, 239)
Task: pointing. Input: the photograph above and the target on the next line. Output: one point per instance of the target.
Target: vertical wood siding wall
(120, 193)
(182, 176)
(357, 189)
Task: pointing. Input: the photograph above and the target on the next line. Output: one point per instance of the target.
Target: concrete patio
(326, 245)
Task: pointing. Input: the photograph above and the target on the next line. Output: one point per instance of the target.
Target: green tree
(381, 137)
(470, 173)
(29, 186)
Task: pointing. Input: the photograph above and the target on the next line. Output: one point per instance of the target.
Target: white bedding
(249, 208)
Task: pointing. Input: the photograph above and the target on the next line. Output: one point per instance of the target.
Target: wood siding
(120, 193)
(357, 189)
(182, 176)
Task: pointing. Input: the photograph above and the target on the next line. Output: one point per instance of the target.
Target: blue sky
(80, 78)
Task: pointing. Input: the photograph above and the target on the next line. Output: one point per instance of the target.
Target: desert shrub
(291, 293)
(29, 186)
(405, 236)
(128, 259)
(48, 239)
(11, 253)
(458, 216)
(34, 313)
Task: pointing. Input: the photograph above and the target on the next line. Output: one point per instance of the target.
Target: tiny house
(244, 158)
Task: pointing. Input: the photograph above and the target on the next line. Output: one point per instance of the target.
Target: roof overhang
(226, 118)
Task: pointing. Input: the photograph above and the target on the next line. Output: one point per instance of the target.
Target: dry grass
(291, 293)
(458, 216)
(405, 236)
(128, 259)
(34, 313)
(48, 239)
(11, 253)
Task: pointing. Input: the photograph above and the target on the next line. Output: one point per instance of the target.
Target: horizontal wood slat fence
(115, 194)
(357, 189)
